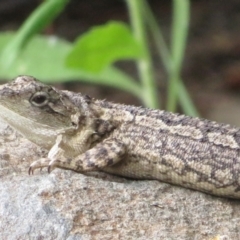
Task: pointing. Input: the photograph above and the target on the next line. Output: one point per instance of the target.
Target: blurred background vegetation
(158, 53)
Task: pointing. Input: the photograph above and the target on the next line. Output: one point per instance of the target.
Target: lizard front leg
(104, 154)
(55, 153)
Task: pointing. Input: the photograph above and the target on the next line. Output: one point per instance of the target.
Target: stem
(41, 17)
(184, 98)
(144, 64)
(157, 36)
(179, 33)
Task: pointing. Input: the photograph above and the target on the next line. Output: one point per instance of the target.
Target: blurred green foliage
(93, 54)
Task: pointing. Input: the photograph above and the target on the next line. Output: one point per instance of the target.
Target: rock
(72, 206)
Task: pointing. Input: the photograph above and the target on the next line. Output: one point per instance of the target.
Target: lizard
(84, 134)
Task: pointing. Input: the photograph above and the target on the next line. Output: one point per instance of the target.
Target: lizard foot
(63, 163)
(45, 162)
(40, 163)
(53, 164)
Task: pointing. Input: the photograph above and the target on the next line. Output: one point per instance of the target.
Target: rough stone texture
(67, 205)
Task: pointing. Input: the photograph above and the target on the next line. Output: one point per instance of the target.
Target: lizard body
(84, 134)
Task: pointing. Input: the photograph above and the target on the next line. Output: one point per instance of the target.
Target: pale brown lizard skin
(84, 134)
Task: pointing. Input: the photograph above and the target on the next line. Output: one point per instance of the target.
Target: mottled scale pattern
(84, 134)
(192, 152)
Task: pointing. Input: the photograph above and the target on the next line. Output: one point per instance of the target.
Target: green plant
(92, 56)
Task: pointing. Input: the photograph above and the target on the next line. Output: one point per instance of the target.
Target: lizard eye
(40, 99)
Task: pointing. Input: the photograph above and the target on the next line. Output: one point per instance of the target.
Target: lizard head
(37, 111)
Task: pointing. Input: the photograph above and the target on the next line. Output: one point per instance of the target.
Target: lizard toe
(40, 163)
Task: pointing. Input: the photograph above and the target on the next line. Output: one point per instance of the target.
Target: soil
(211, 70)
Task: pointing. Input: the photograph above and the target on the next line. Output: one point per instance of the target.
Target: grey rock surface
(67, 205)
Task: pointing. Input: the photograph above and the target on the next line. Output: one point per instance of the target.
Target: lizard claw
(52, 165)
(50, 168)
(30, 171)
(43, 162)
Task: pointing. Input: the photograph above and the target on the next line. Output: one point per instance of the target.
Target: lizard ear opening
(75, 119)
(40, 99)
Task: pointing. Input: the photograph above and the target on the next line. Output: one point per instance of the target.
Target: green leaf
(103, 45)
(39, 18)
(44, 58)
